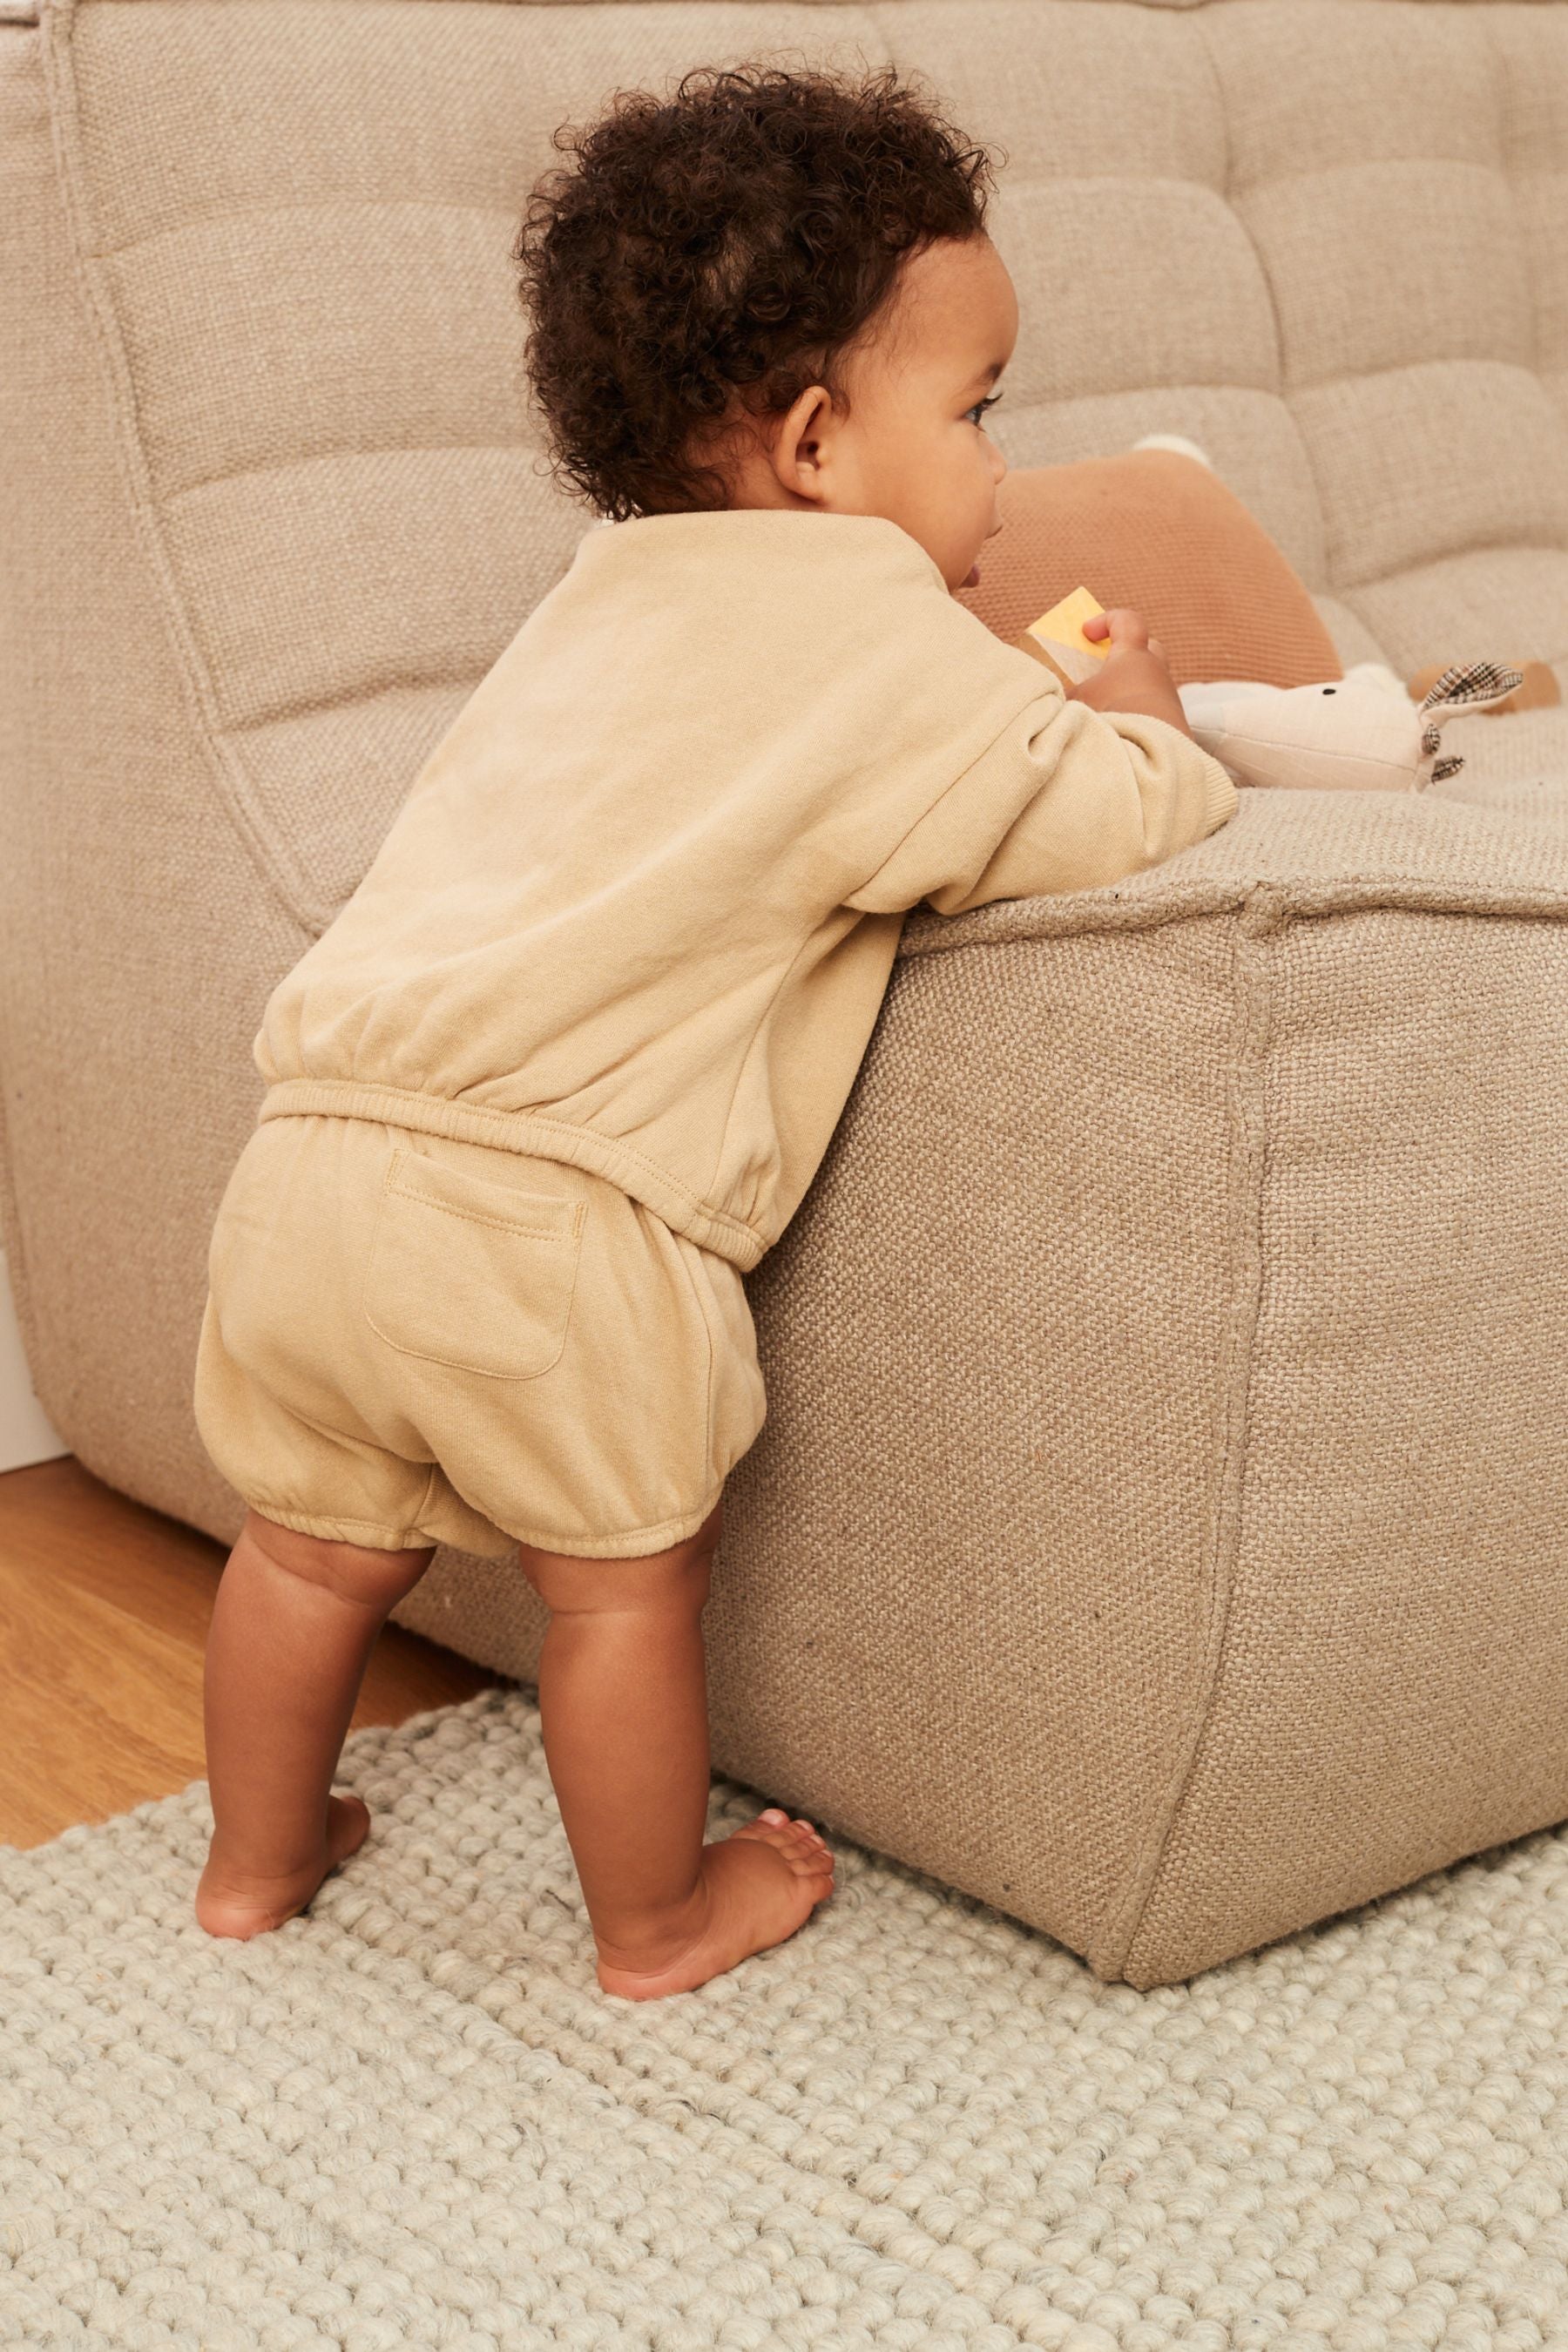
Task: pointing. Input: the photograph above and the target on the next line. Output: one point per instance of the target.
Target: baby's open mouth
(972, 577)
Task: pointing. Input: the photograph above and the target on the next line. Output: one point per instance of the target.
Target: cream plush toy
(1360, 732)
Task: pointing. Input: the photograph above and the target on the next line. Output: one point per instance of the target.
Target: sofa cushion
(1161, 532)
(316, 367)
(1337, 239)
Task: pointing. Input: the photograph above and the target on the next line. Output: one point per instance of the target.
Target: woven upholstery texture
(1201, 1574)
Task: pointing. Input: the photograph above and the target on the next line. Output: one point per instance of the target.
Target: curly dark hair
(717, 251)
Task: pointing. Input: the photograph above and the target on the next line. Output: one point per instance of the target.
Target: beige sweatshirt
(640, 908)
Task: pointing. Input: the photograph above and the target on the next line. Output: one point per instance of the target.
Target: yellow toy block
(1057, 638)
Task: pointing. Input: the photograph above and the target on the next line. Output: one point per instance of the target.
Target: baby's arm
(1063, 799)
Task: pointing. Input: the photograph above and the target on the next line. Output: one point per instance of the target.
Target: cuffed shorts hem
(627, 1543)
(368, 1533)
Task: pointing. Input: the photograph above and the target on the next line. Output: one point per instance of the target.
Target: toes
(776, 1816)
(777, 1822)
(811, 1856)
(797, 1838)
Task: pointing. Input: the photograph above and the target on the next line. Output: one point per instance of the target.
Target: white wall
(27, 1433)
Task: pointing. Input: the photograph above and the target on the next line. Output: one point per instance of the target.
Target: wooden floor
(103, 1620)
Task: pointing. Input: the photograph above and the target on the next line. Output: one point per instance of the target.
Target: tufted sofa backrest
(1327, 239)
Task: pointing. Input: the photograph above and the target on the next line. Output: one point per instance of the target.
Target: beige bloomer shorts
(410, 1339)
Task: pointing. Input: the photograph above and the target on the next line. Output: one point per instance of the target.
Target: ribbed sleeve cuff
(1221, 799)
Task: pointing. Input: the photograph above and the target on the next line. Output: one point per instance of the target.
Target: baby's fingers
(1121, 625)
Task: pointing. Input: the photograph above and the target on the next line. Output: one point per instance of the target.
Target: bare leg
(624, 1711)
(292, 1629)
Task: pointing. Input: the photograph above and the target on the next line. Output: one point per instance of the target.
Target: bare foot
(228, 1904)
(755, 1888)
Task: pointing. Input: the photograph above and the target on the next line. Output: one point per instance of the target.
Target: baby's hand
(1134, 675)
(1125, 628)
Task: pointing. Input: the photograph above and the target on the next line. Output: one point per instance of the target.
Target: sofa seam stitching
(1282, 390)
(1116, 1939)
(1346, 895)
(288, 884)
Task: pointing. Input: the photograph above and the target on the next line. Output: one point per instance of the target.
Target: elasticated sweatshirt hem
(537, 1138)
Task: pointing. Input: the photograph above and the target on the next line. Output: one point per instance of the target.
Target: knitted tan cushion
(1161, 532)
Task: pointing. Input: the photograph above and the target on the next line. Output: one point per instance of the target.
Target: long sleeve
(1064, 798)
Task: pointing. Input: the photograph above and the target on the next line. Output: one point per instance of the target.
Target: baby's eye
(980, 407)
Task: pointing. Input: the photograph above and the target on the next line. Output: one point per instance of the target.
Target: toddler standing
(563, 1067)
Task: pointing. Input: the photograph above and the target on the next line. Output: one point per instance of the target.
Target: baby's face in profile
(910, 445)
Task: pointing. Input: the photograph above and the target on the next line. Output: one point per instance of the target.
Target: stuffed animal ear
(1471, 682)
(1462, 686)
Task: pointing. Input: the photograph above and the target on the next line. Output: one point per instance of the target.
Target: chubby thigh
(444, 1341)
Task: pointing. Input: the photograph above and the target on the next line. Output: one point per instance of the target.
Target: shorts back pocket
(469, 1273)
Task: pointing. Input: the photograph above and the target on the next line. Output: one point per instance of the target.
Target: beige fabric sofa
(1159, 1528)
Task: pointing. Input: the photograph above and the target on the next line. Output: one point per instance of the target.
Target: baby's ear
(801, 451)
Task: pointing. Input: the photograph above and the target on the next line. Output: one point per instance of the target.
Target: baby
(565, 1064)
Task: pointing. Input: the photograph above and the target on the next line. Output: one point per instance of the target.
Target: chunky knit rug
(411, 2119)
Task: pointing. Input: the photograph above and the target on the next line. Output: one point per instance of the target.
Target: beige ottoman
(1159, 1528)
